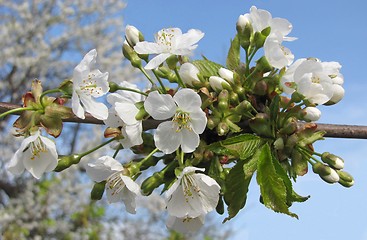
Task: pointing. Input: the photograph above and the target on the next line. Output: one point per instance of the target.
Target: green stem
(160, 82)
(96, 148)
(16, 110)
(179, 80)
(116, 152)
(56, 90)
(147, 157)
(132, 90)
(181, 158)
(148, 77)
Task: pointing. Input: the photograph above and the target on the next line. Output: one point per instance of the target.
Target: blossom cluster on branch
(218, 124)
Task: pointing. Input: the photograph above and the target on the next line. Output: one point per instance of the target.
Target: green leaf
(233, 57)
(236, 185)
(242, 146)
(207, 68)
(275, 186)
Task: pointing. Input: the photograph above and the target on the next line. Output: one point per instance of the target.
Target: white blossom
(132, 35)
(226, 74)
(189, 73)
(89, 83)
(218, 83)
(169, 41)
(311, 114)
(185, 225)
(123, 112)
(188, 120)
(119, 186)
(196, 193)
(37, 154)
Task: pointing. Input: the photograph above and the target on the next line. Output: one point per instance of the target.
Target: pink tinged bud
(132, 35)
(226, 74)
(218, 83)
(189, 73)
(311, 114)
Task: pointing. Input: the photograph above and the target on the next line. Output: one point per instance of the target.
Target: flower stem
(132, 90)
(160, 82)
(147, 157)
(148, 77)
(16, 110)
(179, 80)
(96, 148)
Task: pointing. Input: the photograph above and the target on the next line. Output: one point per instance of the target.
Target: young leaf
(233, 57)
(272, 182)
(207, 68)
(242, 146)
(237, 183)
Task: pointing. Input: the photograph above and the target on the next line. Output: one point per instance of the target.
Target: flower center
(165, 37)
(315, 79)
(37, 147)
(182, 120)
(115, 183)
(89, 85)
(189, 187)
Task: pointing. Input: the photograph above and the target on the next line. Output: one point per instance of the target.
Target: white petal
(160, 106)
(100, 169)
(83, 68)
(190, 169)
(281, 25)
(113, 120)
(187, 99)
(198, 121)
(190, 140)
(101, 83)
(185, 225)
(157, 60)
(39, 164)
(177, 198)
(129, 199)
(132, 135)
(76, 106)
(127, 112)
(96, 109)
(149, 48)
(189, 73)
(166, 138)
(226, 74)
(188, 39)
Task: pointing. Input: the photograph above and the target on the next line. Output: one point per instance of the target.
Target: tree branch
(332, 130)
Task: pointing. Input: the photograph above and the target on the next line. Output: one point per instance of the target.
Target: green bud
(290, 126)
(98, 190)
(131, 55)
(333, 160)
(152, 183)
(113, 87)
(279, 144)
(327, 174)
(244, 108)
(223, 100)
(67, 86)
(222, 128)
(261, 88)
(263, 65)
(66, 161)
(172, 62)
(260, 125)
(212, 122)
(233, 98)
(346, 179)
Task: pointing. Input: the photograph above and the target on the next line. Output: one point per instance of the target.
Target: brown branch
(332, 130)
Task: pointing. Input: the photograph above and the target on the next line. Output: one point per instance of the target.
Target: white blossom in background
(119, 186)
(196, 193)
(169, 41)
(188, 120)
(37, 154)
(123, 112)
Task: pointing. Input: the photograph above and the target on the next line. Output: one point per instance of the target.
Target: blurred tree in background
(46, 40)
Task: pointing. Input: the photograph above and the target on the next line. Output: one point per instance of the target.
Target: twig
(332, 130)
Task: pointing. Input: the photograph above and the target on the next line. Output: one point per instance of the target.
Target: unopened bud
(279, 144)
(131, 55)
(212, 122)
(223, 100)
(152, 183)
(218, 83)
(338, 94)
(333, 160)
(133, 35)
(290, 126)
(260, 124)
(98, 190)
(172, 62)
(328, 174)
(222, 128)
(261, 88)
(346, 179)
(66, 161)
(226, 74)
(189, 73)
(310, 114)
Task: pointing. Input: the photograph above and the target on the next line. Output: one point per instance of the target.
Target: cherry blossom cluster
(209, 127)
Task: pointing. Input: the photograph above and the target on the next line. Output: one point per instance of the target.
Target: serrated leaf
(233, 57)
(237, 182)
(207, 68)
(242, 146)
(271, 179)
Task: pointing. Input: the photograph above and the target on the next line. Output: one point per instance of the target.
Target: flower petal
(166, 138)
(157, 60)
(96, 109)
(190, 140)
(187, 100)
(185, 225)
(149, 48)
(132, 135)
(127, 112)
(76, 106)
(160, 106)
(198, 121)
(100, 169)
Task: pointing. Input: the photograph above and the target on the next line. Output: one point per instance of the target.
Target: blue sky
(329, 30)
